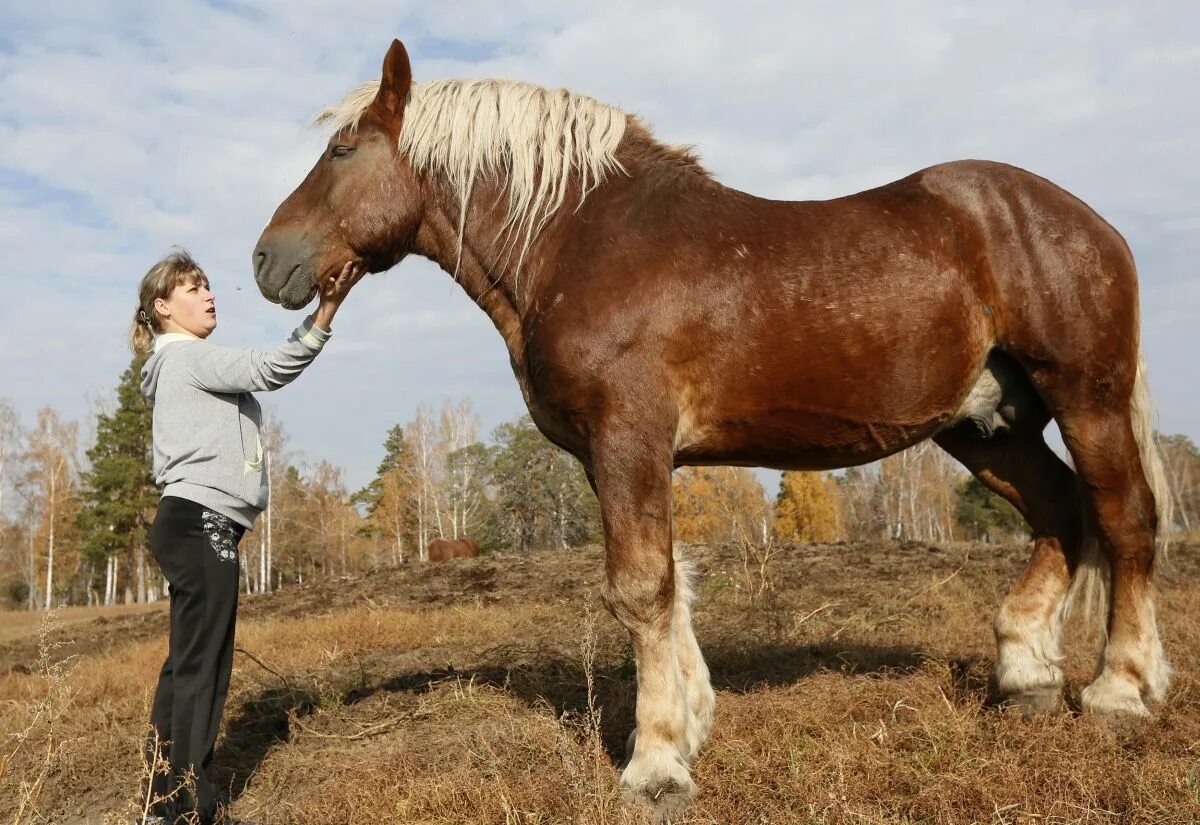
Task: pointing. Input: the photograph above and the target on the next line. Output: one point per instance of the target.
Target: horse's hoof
(1036, 701)
(1118, 702)
(665, 788)
(664, 799)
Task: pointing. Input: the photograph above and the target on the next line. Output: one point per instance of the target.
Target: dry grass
(18, 624)
(852, 690)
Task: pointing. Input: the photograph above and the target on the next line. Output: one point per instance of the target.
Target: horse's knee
(640, 599)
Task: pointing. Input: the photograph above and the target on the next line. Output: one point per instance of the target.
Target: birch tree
(463, 470)
(274, 443)
(421, 436)
(718, 504)
(919, 492)
(1181, 461)
(49, 482)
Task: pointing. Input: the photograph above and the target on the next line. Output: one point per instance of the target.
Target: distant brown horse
(656, 318)
(444, 549)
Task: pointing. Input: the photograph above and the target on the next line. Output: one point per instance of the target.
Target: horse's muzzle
(283, 270)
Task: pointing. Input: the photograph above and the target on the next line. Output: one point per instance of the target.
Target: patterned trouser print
(223, 535)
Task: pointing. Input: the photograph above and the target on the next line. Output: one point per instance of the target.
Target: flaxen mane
(538, 138)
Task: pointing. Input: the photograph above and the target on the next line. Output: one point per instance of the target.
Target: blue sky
(126, 128)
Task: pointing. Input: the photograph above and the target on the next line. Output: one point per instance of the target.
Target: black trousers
(197, 552)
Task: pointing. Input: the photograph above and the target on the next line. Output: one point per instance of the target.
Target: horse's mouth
(289, 294)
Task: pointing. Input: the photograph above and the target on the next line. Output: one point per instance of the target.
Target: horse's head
(361, 201)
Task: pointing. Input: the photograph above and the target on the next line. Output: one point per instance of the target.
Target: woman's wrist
(323, 317)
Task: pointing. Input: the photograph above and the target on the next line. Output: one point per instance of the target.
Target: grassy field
(853, 688)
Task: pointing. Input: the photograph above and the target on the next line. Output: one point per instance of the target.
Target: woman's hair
(173, 270)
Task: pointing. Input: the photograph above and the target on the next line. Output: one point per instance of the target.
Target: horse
(446, 549)
(655, 318)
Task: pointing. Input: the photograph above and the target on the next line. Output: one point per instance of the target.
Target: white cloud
(124, 133)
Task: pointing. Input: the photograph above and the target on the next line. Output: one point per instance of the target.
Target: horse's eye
(340, 151)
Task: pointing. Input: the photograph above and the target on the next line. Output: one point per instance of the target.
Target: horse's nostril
(261, 262)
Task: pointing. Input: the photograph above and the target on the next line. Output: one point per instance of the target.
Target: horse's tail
(1144, 419)
(1091, 583)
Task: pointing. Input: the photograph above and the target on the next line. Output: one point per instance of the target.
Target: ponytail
(141, 334)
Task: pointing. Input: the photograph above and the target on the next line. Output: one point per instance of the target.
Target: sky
(127, 128)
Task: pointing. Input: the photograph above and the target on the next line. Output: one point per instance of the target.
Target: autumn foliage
(718, 504)
(808, 508)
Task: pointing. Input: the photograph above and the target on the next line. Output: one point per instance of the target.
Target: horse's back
(818, 333)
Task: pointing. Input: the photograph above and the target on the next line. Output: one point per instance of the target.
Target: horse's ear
(393, 88)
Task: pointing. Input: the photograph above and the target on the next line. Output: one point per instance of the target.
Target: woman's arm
(224, 369)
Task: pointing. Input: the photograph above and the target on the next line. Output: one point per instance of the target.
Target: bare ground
(853, 689)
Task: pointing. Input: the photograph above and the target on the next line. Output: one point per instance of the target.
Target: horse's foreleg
(633, 481)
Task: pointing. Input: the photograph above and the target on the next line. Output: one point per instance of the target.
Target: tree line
(74, 520)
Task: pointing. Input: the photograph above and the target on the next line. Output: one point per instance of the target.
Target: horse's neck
(495, 269)
(477, 261)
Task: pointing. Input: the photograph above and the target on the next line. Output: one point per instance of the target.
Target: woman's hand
(334, 291)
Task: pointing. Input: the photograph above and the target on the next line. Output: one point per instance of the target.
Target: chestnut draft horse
(656, 318)
(446, 549)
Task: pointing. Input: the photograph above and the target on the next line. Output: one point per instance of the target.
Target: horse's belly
(836, 381)
(795, 439)
(814, 414)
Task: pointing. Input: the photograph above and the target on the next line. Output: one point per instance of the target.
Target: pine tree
(985, 515)
(119, 495)
(389, 496)
(542, 495)
(395, 457)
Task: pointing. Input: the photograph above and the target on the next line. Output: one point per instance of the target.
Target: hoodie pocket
(253, 482)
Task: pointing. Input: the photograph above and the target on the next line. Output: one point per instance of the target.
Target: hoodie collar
(165, 338)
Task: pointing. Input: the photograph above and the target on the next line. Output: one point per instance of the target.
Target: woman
(208, 461)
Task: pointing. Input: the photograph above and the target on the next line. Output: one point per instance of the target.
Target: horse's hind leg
(1020, 467)
(1122, 507)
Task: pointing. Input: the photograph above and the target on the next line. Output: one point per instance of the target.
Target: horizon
(127, 138)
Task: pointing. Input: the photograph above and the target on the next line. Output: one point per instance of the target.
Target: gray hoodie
(206, 444)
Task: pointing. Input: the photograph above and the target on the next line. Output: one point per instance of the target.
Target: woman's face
(190, 308)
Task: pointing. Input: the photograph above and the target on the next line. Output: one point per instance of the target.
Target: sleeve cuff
(312, 335)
